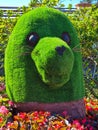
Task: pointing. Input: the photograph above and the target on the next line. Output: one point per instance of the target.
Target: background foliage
(86, 24)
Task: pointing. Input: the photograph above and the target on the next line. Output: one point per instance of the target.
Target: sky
(19, 3)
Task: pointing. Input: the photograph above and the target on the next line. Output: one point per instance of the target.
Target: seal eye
(32, 38)
(65, 36)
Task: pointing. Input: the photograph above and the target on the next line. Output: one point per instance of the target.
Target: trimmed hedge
(86, 23)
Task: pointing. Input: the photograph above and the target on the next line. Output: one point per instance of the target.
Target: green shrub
(86, 22)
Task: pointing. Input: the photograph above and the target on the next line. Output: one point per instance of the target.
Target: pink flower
(84, 120)
(3, 110)
(2, 87)
(64, 113)
(2, 129)
(76, 123)
(10, 103)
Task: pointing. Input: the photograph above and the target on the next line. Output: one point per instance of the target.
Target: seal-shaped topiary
(41, 64)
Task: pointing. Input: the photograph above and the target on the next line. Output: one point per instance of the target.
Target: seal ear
(66, 37)
(32, 39)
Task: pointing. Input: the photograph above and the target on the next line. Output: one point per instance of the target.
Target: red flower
(22, 115)
(1, 120)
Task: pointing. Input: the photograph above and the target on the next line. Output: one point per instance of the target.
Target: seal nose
(60, 50)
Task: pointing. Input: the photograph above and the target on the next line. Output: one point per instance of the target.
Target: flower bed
(10, 119)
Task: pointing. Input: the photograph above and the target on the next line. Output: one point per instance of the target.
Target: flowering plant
(4, 115)
(11, 120)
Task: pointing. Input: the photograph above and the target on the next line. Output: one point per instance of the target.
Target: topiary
(41, 64)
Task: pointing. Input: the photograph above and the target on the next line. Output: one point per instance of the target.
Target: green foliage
(85, 21)
(6, 26)
(35, 3)
(69, 6)
(49, 3)
(50, 66)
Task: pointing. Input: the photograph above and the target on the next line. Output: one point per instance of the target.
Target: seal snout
(60, 50)
(54, 62)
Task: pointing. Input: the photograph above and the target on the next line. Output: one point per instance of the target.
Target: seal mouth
(54, 80)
